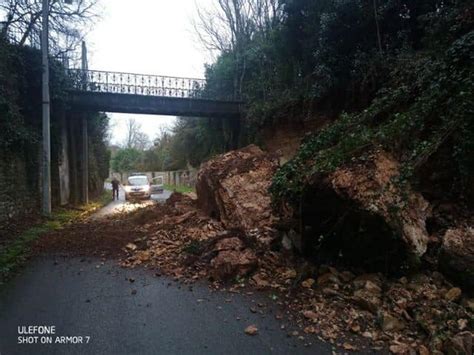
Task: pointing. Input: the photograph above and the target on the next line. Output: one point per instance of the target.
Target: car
(137, 187)
(157, 186)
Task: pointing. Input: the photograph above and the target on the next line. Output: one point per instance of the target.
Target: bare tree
(230, 25)
(136, 138)
(68, 21)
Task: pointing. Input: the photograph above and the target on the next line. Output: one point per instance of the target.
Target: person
(115, 188)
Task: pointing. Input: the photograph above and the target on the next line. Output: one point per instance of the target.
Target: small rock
(348, 346)
(469, 303)
(453, 294)
(260, 281)
(391, 323)
(367, 301)
(328, 278)
(131, 246)
(310, 315)
(310, 330)
(289, 274)
(461, 343)
(372, 287)
(361, 280)
(134, 292)
(462, 324)
(423, 350)
(251, 330)
(308, 283)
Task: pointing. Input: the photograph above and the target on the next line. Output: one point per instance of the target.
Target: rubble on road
(413, 313)
(226, 236)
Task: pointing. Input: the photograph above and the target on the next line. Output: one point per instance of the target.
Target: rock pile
(419, 313)
(184, 242)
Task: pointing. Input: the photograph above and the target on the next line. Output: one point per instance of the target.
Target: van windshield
(137, 181)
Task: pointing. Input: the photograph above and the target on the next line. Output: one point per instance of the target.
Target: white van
(138, 186)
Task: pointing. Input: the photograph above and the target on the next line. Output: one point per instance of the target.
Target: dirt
(105, 237)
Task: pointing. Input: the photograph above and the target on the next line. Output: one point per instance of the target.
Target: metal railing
(136, 84)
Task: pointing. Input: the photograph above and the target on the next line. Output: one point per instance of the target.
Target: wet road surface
(152, 315)
(121, 205)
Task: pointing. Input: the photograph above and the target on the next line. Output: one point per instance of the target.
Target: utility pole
(46, 148)
(85, 139)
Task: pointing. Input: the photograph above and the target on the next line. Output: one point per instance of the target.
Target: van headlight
(127, 188)
(146, 188)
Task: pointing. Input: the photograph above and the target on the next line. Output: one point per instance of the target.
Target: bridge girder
(154, 105)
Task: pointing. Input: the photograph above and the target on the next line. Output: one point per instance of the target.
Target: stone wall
(19, 189)
(20, 173)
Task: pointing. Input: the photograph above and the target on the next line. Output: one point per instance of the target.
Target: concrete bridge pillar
(63, 166)
(73, 154)
(85, 161)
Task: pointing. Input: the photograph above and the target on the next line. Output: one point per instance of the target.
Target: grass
(180, 188)
(14, 254)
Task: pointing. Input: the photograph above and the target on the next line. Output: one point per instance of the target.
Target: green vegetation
(180, 188)
(15, 252)
(422, 112)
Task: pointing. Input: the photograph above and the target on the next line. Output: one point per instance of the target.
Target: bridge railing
(138, 84)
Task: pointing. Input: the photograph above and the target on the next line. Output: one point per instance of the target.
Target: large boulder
(360, 213)
(372, 186)
(233, 187)
(457, 256)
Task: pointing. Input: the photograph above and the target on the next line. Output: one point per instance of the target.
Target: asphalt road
(88, 298)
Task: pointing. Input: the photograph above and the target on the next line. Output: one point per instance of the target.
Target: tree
(68, 20)
(231, 25)
(126, 160)
(136, 138)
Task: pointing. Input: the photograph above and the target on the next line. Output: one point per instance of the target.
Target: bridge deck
(148, 94)
(155, 105)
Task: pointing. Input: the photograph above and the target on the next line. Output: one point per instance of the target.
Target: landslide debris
(233, 188)
(420, 312)
(412, 313)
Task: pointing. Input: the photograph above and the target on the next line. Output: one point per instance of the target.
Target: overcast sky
(149, 37)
